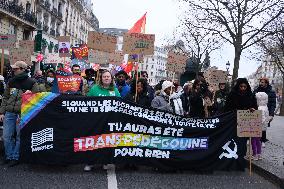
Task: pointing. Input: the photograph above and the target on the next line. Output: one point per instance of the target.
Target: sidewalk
(273, 153)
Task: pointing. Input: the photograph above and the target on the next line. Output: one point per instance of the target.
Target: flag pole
(136, 82)
(2, 61)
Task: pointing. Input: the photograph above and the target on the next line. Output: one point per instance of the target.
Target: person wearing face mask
(11, 108)
(49, 80)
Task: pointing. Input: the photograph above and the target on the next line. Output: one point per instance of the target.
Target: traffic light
(38, 39)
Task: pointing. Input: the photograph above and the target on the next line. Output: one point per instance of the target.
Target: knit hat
(20, 64)
(167, 84)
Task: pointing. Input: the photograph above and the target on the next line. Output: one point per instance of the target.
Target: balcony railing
(45, 28)
(39, 25)
(52, 32)
(18, 11)
(47, 5)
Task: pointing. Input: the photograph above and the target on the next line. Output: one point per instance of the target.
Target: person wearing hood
(196, 100)
(168, 100)
(220, 99)
(121, 84)
(241, 98)
(264, 86)
(11, 108)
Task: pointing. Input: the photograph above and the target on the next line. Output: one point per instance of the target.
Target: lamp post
(228, 67)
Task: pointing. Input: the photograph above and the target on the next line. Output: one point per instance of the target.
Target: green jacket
(97, 90)
(12, 97)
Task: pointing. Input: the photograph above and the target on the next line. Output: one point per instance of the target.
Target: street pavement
(36, 176)
(32, 176)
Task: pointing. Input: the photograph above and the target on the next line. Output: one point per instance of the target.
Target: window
(26, 35)
(28, 7)
(12, 29)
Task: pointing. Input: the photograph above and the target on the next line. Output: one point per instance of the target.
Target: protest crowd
(195, 99)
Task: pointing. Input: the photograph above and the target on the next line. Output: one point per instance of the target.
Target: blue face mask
(49, 79)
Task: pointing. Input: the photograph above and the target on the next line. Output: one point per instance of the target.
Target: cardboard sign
(176, 62)
(214, 77)
(99, 57)
(53, 58)
(64, 46)
(249, 123)
(68, 83)
(20, 54)
(138, 43)
(101, 42)
(28, 44)
(7, 41)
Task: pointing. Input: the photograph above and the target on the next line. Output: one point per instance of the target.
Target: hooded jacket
(271, 98)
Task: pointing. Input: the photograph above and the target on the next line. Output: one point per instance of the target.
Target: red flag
(128, 68)
(81, 51)
(139, 26)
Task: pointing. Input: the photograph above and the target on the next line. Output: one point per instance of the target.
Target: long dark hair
(111, 86)
(240, 81)
(133, 86)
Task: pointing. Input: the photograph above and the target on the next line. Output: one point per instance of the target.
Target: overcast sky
(162, 18)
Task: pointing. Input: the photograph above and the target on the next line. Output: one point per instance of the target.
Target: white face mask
(49, 79)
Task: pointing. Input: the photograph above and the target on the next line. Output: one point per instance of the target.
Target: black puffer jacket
(271, 98)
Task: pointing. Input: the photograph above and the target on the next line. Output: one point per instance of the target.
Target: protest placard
(100, 57)
(64, 46)
(101, 42)
(67, 84)
(28, 44)
(214, 77)
(176, 62)
(7, 41)
(249, 123)
(138, 43)
(20, 54)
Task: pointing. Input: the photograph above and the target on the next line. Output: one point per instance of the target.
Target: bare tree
(239, 22)
(273, 46)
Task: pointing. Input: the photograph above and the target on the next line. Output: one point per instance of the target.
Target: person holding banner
(11, 108)
(105, 87)
(241, 98)
(90, 79)
(142, 98)
(220, 98)
(49, 80)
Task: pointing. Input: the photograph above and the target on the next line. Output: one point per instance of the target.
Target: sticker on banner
(39, 139)
(229, 153)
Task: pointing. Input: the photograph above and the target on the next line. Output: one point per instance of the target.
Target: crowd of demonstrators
(194, 99)
(264, 86)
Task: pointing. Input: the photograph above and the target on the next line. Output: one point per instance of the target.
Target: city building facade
(155, 65)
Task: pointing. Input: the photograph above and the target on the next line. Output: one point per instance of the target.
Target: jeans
(11, 142)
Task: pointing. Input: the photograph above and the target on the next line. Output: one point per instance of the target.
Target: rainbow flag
(32, 104)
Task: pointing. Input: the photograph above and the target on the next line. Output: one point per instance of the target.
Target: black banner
(102, 130)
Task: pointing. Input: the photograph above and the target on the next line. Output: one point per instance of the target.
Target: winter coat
(12, 97)
(271, 98)
(262, 101)
(161, 102)
(142, 99)
(97, 90)
(185, 102)
(237, 101)
(219, 101)
(123, 89)
(196, 105)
